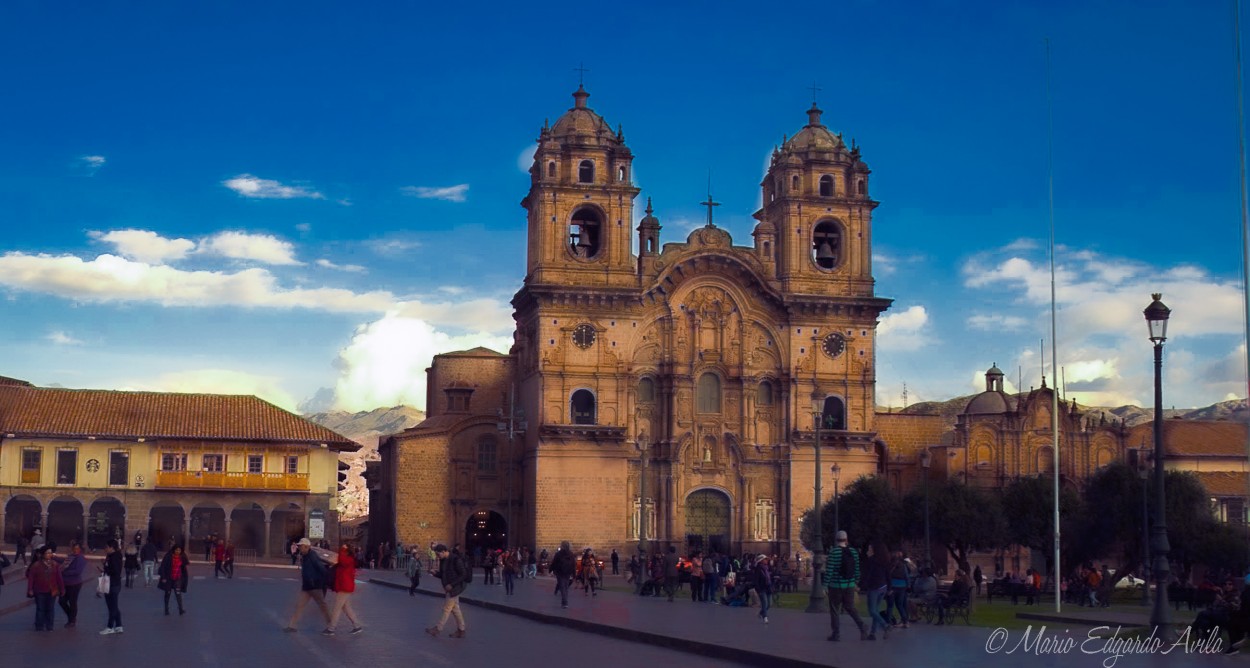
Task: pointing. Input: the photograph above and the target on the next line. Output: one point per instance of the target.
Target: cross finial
(581, 73)
(709, 203)
(814, 90)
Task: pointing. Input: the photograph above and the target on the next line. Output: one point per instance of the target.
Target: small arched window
(834, 414)
(582, 407)
(861, 187)
(584, 230)
(646, 391)
(586, 172)
(764, 394)
(709, 393)
(551, 170)
(794, 183)
(620, 174)
(827, 245)
(826, 186)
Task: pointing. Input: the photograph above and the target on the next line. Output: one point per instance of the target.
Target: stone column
(268, 542)
(186, 533)
(227, 536)
(85, 522)
(3, 526)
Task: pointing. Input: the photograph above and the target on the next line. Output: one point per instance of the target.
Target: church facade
(680, 380)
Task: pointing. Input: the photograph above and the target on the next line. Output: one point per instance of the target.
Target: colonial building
(91, 465)
(682, 380)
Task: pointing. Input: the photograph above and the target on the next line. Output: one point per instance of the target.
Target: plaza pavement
(791, 638)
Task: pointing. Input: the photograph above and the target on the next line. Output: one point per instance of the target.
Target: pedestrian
(696, 577)
(4, 563)
(344, 573)
(452, 573)
(131, 564)
(488, 567)
(511, 567)
(876, 584)
(671, 574)
(901, 575)
(230, 559)
(563, 567)
(532, 565)
(840, 579)
(73, 572)
(210, 541)
(20, 551)
(147, 556)
(763, 581)
(174, 576)
(44, 584)
(414, 571)
(113, 569)
(138, 539)
(977, 577)
(294, 548)
(616, 562)
(314, 578)
(711, 577)
(219, 559)
(590, 572)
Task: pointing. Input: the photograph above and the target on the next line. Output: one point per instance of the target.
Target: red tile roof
(55, 412)
(1190, 438)
(1224, 483)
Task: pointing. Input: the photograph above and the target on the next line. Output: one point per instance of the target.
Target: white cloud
(905, 330)
(254, 187)
(525, 158)
(216, 381)
(996, 323)
(111, 279)
(392, 246)
(91, 163)
(145, 245)
(61, 338)
(303, 227)
(449, 193)
(483, 314)
(341, 267)
(385, 363)
(243, 246)
(452, 289)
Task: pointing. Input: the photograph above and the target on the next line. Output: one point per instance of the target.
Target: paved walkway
(792, 638)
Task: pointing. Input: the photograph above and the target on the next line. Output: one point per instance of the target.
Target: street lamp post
(816, 601)
(1157, 320)
(1144, 472)
(837, 470)
(642, 509)
(926, 460)
(513, 424)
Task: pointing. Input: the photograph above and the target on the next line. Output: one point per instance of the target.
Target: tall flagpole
(1245, 217)
(1054, 346)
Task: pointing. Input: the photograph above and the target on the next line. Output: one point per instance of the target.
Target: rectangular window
(486, 456)
(214, 463)
(32, 461)
(174, 461)
(292, 464)
(66, 467)
(255, 463)
(119, 468)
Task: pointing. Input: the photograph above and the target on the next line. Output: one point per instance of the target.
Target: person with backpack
(564, 567)
(840, 578)
(901, 574)
(414, 571)
(314, 579)
(454, 574)
(344, 574)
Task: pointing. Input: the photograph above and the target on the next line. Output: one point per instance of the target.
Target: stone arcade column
(186, 533)
(86, 521)
(267, 544)
(227, 536)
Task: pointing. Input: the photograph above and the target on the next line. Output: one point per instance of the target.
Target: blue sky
(299, 200)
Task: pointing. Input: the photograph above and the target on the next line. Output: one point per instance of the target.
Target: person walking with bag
(452, 573)
(174, 576)
(840, 579)
(314, 577)
(414, 571)
(73, 572)
(147, 555)
(344, 574)
(112, 570)
(44, 584)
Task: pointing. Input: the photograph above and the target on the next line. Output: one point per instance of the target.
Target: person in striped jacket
(841, 578)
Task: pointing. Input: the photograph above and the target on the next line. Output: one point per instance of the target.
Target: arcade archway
(65, 519)
(22, 517)
(166, 524)
(106, 518)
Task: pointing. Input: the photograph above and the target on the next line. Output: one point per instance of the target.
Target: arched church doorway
(707, 521)
(485, 530)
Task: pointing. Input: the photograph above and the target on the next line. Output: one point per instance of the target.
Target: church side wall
(422, 506)
(580, 497)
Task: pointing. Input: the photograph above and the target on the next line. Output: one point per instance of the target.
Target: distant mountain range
(950, 410)
(365, 428)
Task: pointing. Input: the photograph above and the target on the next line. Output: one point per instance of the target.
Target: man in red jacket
(344, 574)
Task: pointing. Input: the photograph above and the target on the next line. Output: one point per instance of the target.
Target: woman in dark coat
(174, 577)
(876, 580)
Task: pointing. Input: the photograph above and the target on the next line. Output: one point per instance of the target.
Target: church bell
(825, 252)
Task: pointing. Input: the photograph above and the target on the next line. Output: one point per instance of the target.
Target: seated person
(957, 595)
(1239, 623)
(1219, 613)
(924, 591)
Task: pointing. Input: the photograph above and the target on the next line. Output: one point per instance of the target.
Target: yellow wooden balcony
(297, 482)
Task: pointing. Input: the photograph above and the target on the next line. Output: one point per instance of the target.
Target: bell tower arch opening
(585, 230)
(827, 245)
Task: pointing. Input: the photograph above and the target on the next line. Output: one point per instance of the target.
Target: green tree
(868, 511)
(961, 519)
(1029, 509)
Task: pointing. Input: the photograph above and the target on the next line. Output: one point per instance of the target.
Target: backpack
(846, 569)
